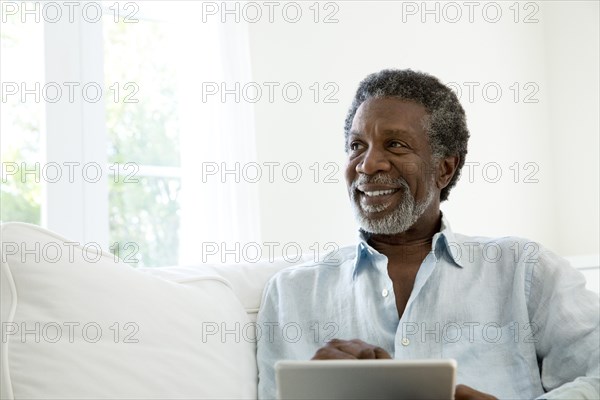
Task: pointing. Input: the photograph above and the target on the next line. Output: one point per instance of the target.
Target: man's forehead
(389, 115)
(383, 132)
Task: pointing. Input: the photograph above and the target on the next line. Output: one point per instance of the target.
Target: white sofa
(77, 324)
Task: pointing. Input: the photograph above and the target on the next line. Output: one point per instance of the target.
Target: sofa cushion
(76, 324)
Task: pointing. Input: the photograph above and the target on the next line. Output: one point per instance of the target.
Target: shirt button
(405, 342)
(384, 292)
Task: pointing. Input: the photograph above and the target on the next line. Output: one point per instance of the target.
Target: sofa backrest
(247, 280)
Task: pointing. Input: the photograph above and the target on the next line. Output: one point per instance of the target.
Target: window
(136, 133)
(21, 122)
(143, 139)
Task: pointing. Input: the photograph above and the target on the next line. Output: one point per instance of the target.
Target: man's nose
(374, 161)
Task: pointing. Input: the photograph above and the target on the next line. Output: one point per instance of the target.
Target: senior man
(517, 318)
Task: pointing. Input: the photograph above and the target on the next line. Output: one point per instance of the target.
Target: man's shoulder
(506, 252)
(483, 240)
(511, 249)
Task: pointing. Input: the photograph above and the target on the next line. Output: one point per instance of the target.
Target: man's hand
(464, 392)
(337, 349)
(356, 349)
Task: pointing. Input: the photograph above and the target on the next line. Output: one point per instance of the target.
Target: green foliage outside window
(144, 218)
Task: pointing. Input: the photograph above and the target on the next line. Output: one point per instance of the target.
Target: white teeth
(379, 192)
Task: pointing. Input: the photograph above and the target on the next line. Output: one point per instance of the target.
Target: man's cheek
(410, 169)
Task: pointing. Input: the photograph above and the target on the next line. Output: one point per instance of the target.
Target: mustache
(380, 179)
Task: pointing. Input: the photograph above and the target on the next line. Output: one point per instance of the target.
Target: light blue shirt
(516, 317)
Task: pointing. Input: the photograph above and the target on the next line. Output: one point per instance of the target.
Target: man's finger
(464, 392)
(382, 354)
(349, 350)
(360, 349)
(332, 353)
(357, 348)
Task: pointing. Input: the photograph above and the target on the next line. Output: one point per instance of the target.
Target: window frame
(75, 132)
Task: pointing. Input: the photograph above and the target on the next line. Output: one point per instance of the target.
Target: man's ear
(445, 171)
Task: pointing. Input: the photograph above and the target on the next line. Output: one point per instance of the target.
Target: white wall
(572, 67)
(559, 134)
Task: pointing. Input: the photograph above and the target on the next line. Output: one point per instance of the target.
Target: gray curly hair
(446, 124)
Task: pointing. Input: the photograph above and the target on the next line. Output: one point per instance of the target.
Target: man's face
(390, 175)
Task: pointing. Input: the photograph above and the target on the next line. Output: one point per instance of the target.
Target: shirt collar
(444, 243)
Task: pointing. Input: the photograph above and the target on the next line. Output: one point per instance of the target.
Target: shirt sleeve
(566, 320)
(266, 352)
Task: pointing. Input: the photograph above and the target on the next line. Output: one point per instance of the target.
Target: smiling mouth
(376, 193)
(376, 200)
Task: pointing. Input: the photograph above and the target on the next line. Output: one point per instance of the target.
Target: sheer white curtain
(214, 134)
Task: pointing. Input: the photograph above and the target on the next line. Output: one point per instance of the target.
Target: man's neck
(412, 245)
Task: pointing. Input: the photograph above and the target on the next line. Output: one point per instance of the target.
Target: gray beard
(397, 221)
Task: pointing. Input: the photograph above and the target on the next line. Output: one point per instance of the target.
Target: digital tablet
(365, 379)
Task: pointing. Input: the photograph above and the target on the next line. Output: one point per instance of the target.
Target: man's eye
(396, 143)
(355, 146)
